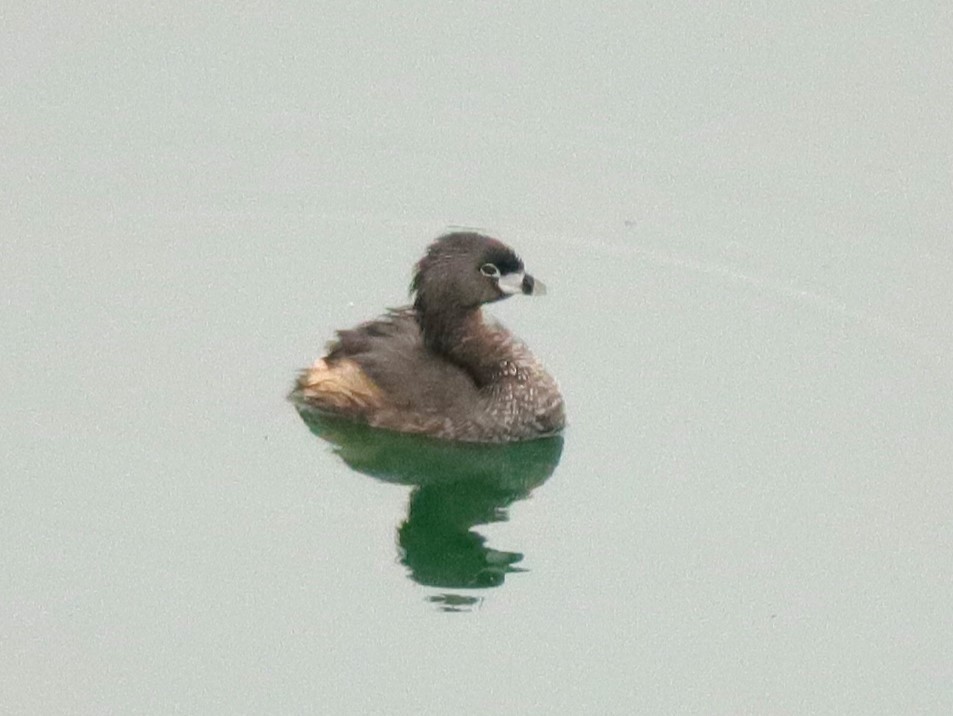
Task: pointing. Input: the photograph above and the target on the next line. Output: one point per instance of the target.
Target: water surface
(743, 216)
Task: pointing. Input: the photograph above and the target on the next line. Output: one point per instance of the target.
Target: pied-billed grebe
(437, 367)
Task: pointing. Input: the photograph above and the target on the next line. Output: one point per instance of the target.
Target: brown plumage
(438, 367)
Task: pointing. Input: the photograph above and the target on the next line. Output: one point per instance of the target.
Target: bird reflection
(456, 486)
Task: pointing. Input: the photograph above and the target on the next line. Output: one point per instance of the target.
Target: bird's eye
(490, 270)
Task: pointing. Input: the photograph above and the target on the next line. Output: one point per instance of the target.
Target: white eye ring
(490, 270)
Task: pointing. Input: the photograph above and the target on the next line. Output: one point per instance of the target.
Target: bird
(440, 367)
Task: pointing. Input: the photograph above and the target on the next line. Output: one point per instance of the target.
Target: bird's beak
(520, 282)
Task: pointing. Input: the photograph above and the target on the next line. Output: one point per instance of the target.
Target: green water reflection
(455, 487)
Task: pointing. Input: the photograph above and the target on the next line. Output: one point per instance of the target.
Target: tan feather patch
(341, 385)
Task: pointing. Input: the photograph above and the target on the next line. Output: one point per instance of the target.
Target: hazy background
(744, 217)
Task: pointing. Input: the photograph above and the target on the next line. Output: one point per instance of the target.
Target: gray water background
(744, 216)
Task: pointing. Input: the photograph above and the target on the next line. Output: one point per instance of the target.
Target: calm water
(744, 218)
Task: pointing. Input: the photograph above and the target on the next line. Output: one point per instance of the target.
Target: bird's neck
(461, 336)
